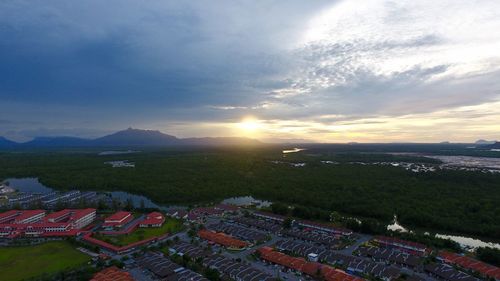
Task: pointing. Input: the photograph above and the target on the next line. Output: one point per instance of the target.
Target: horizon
(373, 71)
(262, 140)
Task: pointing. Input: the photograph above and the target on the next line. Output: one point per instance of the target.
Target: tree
(489, 255)
(287, 223)
(335, 216)
(101, 204)
(279, 208)
(212, 274)
(129, 204)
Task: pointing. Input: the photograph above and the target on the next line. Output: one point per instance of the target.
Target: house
(269, 216)
(470, 264)
(154, 219)
(34, 223)
(112, 274)
(222, 239)
(324, 227)
(118, 219)
(412, 247)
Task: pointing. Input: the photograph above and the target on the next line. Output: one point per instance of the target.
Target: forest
(445, 200)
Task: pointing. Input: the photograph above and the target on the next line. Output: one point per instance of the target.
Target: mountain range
(128, 137)
(495, 145)
(484, 142)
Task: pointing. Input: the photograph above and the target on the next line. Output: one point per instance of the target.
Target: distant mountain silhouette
(128, 137)
(496, 145)
(57, 141)
(484, 142)
(136, 137)
(7, 143)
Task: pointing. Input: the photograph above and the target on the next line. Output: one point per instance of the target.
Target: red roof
(153, 218)
(227, 207)
(78, 214)
(27, 214)
(222, 239)
(331, 274)
(41, 226)
(112, 274)
(88, 238)
(9, 214)
(470, 263)
(118, 217)
(310, 268)
(57, 215)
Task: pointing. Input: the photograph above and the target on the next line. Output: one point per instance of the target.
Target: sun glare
(249, 125)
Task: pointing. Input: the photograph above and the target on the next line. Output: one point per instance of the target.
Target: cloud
(186, 66)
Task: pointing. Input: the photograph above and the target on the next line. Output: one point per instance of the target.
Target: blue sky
(330, 71)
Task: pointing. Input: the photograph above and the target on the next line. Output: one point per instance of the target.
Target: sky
(324, 71)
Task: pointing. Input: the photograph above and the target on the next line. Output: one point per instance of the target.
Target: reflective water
(246, 201)
(34, 186)
(28, 185)
(293, 150)
(468, 242)
(465, 242)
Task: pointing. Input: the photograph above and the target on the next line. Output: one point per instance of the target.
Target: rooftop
(112, 274)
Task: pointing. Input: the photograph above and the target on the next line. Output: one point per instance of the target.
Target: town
(229, 242)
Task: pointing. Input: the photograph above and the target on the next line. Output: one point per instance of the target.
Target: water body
(136, 199)
(117, 152)
(34, 186)
(469, 242)
(465, 242)
(468, 161)
(247, 201)
(395, 226)
(286, 151)
(29, 185)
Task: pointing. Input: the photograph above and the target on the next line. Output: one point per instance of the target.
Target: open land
(24, 262)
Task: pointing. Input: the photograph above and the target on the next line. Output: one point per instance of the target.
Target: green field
(18, 263)
(170, 226)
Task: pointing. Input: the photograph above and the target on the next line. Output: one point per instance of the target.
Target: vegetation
(489, 255)
(452, 201)
(18, 263)
(170, 226)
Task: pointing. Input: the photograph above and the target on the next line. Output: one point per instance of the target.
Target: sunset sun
(249, 125)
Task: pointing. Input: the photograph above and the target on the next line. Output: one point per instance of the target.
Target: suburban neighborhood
(227, 242)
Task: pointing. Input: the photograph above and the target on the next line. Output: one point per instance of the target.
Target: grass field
(170, 226)
(18, 263)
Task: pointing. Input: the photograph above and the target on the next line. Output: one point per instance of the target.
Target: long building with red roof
(34, 223)
(9, 216)
(470, 264)
(112, 274)
(222, 239)
(313, 269)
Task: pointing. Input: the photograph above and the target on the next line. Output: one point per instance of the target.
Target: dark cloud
(84, 68)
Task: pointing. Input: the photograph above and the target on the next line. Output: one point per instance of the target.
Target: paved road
(362, 238)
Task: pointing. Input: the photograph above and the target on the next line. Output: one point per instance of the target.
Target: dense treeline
(457, 201)
(489, 255)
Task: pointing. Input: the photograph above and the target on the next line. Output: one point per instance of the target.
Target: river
(468, 243)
